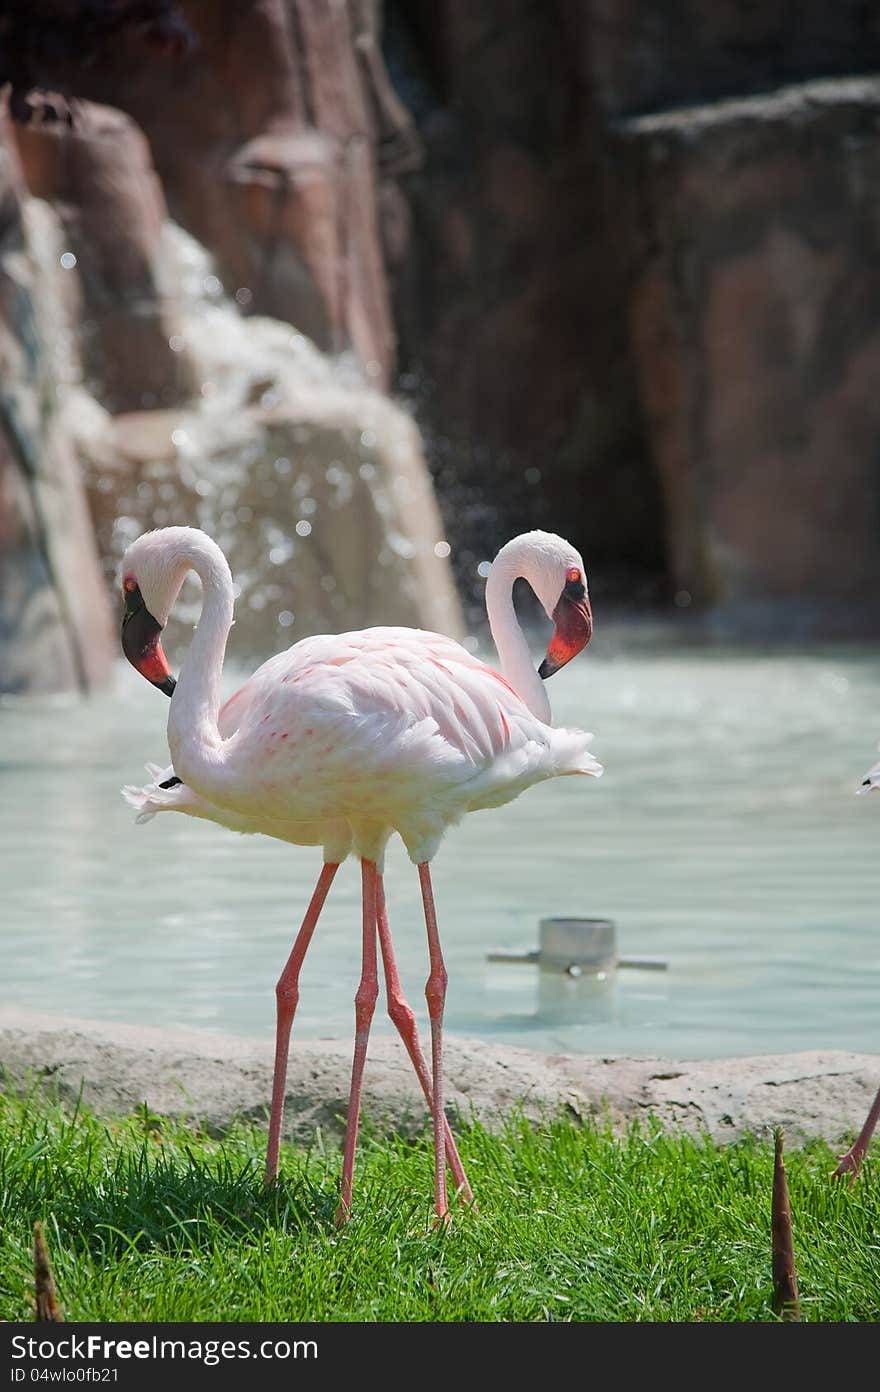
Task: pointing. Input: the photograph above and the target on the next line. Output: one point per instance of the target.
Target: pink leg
(851, 1163)
(435, 992)
(286, 999)
(402, 1015)
(364, 1005)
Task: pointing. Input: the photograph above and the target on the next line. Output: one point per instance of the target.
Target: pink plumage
(343, 740)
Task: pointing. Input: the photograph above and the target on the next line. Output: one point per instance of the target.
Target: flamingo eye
(575, 589)
(129, 584)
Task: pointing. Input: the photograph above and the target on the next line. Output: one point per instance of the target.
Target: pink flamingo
(851, 1162)
(344, 739)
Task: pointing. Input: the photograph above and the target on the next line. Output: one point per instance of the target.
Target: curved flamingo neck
(513, 650)
(193, 737)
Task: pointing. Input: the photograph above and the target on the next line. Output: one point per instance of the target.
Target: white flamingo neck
(517, 664)
(193, 736)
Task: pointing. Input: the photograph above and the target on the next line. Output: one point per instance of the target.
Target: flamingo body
(388, 728)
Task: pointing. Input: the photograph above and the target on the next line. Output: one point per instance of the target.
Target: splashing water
(313, 483)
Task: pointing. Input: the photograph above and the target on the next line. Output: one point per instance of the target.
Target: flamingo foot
(851, 1163)
(849, 1166)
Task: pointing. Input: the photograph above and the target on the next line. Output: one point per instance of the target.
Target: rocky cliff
(618, 260)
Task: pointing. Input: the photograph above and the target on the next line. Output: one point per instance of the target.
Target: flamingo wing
(384, 724)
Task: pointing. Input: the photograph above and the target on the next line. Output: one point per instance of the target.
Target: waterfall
(313, 483)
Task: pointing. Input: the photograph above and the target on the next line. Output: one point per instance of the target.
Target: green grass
(151, 1220)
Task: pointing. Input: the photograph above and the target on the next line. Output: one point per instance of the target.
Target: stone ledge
(213, 1079)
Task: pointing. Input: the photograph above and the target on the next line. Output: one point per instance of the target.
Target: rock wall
(647, 55)
(54, 609)
(755, 309)
(619, 256)
(271, 140)
(510, 306)
(173, 383)
(638, 304)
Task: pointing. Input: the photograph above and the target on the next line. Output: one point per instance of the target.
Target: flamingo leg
(401, 1013)
(364, 1005)
(435, 993)
(286, 1000)
(851, 1163)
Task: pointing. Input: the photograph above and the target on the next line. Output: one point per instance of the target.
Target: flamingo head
(152, 574)
(556, 573)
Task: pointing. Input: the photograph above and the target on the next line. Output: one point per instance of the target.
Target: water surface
(725, 837)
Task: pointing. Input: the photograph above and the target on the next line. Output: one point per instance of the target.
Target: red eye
(573, 575)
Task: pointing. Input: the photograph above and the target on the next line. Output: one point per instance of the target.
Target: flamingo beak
(140, 642)
(574, 629)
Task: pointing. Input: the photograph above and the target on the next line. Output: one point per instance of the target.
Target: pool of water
(725, 837)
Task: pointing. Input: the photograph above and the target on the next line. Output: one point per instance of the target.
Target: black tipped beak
(140, 642)
(574, 629)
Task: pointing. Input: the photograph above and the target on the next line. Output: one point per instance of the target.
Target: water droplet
(483, 568)
(68, 260)
(442, 549)
(286, 618)
(368, 438)
(532, 475)
(682, 598)
(211, 285)
(303, 528)
(470, 642)
(282, 465)
(243, 295)
(175, 343)
(367, 472)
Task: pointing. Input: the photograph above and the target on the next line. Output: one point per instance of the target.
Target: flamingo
(344, 739)
(851, 1162)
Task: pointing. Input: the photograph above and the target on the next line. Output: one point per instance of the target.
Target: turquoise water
(725, 837)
